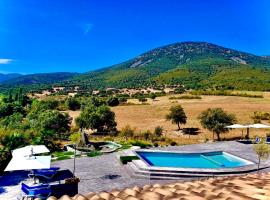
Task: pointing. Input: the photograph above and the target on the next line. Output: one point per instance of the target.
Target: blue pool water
(192, 160)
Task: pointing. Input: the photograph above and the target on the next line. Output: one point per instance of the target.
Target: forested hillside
(196, 65)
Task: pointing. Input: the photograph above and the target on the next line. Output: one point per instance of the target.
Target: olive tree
(177, 115)
(100, 118)
(52, 120)
(216, 120)
(262, 150)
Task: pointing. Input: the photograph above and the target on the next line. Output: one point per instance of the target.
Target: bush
(258, 116)
(147, 135)
(127, 132)
(94, 153)
(140, 143)
(153, 96)
(125, 159)
(113, 101)
(122, 99)
(186, 97)
(73, 104)
(173, 143)
(158, 131)
(142, 99)
(224, 93)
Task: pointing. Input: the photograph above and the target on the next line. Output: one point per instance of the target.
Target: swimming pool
(210, 160)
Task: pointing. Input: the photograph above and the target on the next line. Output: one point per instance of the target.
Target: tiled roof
(251, 187)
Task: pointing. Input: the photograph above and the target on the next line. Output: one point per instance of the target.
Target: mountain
(36, 81)
(196, 65)
(193, 64)
(4, 77)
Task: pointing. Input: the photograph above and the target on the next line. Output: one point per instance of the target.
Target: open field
(147, 117)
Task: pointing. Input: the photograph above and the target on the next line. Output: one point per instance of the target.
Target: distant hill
(4, 77)
(36, 81)
(193, 64)
(196, 65)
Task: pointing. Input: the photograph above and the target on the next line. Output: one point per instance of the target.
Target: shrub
(122, 99)
(142, 99)
(73, 103)
(153, 96)
(113, 101)
(94, 153)
(140, 143)
(173, 143)
(186, 97)
(127, 132)
(158, 131)
(179, 90)
(258, 116)
(147, 135)
(224, 93)
(125, 159)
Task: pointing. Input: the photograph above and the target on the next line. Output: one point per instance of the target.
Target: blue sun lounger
(44, 173)
(257, 140)
(38, 191)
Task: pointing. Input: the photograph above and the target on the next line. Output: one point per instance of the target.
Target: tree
(113, 101)
(52, 120)
(6, 109)
(100, 118)
(13, 121)
(12, 140)
(177, 115)
(50, 104)
(73, 104)
(262, 150)
(216, 120)
(75, 139)
(153, 96)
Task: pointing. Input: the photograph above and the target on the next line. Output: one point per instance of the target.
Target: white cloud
(5, 61)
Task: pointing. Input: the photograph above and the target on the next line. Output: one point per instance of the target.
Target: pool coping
(144, 166)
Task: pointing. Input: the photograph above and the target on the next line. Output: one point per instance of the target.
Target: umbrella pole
(247, 133)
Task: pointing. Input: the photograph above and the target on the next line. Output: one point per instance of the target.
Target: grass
(62, 155)
(140, 143)
(94, 153)
(147, 117)
(125, 145)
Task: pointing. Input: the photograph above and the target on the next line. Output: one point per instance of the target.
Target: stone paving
(105, 173)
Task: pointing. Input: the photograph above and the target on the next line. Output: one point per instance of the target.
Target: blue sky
(82, 35)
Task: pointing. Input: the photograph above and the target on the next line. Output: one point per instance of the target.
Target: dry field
(147, 117)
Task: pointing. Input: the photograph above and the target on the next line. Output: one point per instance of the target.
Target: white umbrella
(258, 126)
(29, 163)
(240, 126)
(237, 126)
(30, 150)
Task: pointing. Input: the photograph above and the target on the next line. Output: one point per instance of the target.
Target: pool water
(192, 160)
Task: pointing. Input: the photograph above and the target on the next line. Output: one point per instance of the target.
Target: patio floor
(105, 173)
